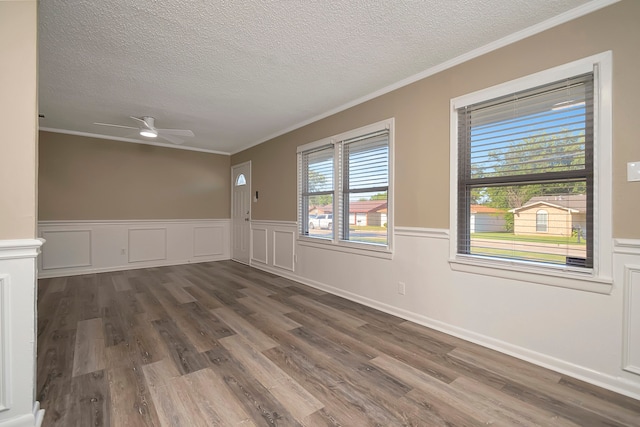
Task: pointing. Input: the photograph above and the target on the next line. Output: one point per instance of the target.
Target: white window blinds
(524, 153)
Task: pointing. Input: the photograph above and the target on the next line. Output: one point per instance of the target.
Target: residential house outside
(363, 213)
(552, 215)
(485, 219)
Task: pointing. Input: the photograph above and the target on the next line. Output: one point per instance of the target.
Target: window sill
(383, 252)
(545, 275)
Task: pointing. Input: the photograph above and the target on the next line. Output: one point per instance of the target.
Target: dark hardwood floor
(224, 344)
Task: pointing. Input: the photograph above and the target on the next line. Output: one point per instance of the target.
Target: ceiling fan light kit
(149, 133)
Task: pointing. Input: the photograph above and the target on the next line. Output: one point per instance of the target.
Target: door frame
(233, 184)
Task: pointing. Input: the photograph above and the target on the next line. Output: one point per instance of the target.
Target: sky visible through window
(559, 135)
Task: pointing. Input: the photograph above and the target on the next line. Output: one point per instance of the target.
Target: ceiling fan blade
(177, 132)
(171, 139)
(114, 126)
(141, 121)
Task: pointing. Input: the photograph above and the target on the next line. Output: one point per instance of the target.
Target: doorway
(241, 212)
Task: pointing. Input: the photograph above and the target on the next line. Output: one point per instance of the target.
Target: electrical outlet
(401, 288)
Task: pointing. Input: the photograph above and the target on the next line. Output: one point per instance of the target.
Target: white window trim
(599, 278)
(359, 248)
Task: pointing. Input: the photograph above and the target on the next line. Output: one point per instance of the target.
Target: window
(349, 175)
(542, 221)
(536, 153)
(523, 150)
(241, 180)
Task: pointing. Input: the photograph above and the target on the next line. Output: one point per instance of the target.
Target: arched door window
(542, 221)
(241, 180)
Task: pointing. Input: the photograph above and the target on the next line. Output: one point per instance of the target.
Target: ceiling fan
(147, 128)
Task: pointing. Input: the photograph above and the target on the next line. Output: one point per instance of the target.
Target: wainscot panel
(82, 247)
(274, 245)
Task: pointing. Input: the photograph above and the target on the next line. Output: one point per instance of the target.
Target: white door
(241, 212)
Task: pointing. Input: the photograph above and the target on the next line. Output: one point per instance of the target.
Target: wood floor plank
(89, 402)
(181, 352)
(150, 306)
(513, 410)
(276, 320)
(174, 407)
(178, 292)
(263, 407)
(265, 304)
(143, 345)
(112, 321)
(244, 328)
(203, 297)
(345, 340)
(301, 403)
(55, 366)
(331, 313)
(121, 283)
(350, 397)
(221, 343)
(210, 390)
(425, 385)
(89, 349)
(359, 311)
(505, 365)
(201, 327)
(158, 374)
(131, 402)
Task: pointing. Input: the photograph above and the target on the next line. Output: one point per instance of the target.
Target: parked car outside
(323, 221)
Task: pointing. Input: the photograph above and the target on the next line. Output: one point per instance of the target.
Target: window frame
(339, 218)
(595, 279)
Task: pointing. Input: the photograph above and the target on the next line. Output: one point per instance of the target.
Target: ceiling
(240, 72)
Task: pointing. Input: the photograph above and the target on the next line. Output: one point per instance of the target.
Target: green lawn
(367, 228)
(379, 240)
(528, 256)
(542, 239)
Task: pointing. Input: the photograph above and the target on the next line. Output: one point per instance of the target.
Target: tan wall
(421, 111)
(96, 179)
(18, 119)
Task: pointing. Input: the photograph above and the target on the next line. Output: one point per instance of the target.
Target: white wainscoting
(578, 333)
(5, 322)
(274, 246)
(208, 241)
(18, 333)
(81, 247)
(67, 249)
(631, 331)
(259, 246)
(284, 242)
(147, 244)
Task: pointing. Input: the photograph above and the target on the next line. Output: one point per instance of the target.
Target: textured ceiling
(239, 72)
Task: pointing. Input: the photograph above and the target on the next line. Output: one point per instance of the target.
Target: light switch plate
(633, 171)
